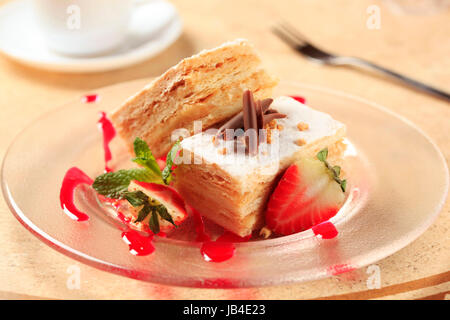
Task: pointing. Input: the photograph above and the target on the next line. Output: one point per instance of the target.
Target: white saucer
(21, 40)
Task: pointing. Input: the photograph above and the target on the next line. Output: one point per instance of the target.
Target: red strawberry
(299, 99)
(161, 163)
(305, 196)
(166, 196)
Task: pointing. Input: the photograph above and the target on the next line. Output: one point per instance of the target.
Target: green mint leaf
(153, 222)
(141, 149)
(113, 184)
(322, 155)
(167, 172)
(145, 158)
(164, 214)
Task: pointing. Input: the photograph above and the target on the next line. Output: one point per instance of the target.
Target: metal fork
(298, 42)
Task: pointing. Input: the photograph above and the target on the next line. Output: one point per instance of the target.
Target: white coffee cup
(83, 27)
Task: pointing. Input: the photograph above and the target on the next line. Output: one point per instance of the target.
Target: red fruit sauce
(90, 98)
(325, 229)
(340, 268)
(217, 251)
(123, 218)
(138, 244)
(72, 179)
(216, 283)
(223, 248)
(108, 134)
(299, 99)
(202, 236)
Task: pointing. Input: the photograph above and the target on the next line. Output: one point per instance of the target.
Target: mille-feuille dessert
(261, 161)
(231, 187)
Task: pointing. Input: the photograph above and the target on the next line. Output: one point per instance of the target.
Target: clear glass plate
(398, 181)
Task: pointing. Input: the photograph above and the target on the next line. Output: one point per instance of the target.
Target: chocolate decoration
(249, 109)
(259, 115)
(265, 104)
(254, 115)
(238, 120)
(250, 122)
(271, 116)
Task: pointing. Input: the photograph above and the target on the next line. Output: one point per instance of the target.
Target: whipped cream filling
(284, 142)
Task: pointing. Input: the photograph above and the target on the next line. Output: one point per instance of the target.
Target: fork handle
(409, 81)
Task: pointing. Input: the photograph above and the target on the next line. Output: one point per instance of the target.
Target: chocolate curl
(265, 104)
(271, 116)
(254, 116)
(238, 120)
(259, 114)
(250, 122)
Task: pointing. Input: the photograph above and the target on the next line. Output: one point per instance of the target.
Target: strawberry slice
(306, 195)
(161, 163)
(164, 195)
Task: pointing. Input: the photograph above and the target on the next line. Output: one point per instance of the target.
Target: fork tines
(289, 34)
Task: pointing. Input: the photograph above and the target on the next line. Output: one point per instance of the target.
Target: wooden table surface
(417, 45)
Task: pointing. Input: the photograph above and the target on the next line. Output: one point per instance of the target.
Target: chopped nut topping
(215, 141)
(272, 124)
(265, 232)
(302, 126)
(300, 142)
(269, 127)
(269, 135)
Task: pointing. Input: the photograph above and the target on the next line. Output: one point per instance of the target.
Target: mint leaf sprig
(167, 172)
(145, 158)
(115, 185)
(335, 170)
